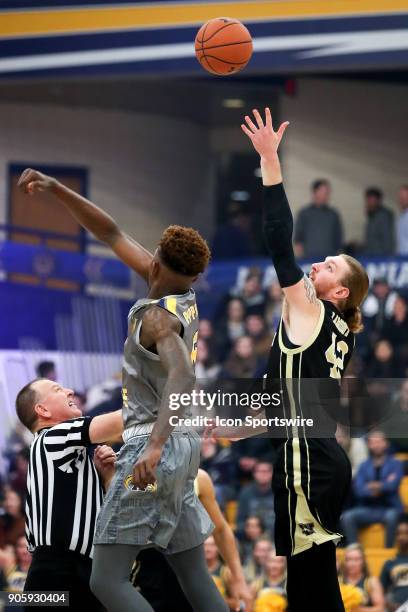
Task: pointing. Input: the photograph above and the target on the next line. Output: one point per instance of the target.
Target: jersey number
(335, 355)
(194, 349)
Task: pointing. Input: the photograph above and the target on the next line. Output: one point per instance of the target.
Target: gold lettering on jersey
(333, 357)
(190, 313)
(125, 397)
(340, 324)
(194, 349)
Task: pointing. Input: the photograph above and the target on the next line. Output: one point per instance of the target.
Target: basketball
(223, 46)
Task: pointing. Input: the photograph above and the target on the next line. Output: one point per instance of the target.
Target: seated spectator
(231, 327)
(7, 564)
(375, 488)
(379, 229)
(16, 576)
(262, 338)
(396, 329)
(384, 363)
(206, 370)
(354, 572)
(251, 293)
(253, 530)
(242, 361)
(255, 568)
(318, 228)
(394, 574)
(274, 577)
(378, 306)
(12, 523)
(218, 461)
(18, 477)
(215, 566)
(257, 498)
(402, 222)
(206, 333)
(248, 452)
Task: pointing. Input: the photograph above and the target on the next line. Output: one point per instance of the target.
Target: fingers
(247, 132)
(258, 118)
(26, 178)
(268, 118)
(282, 129)
(105, 454)
(251, 124)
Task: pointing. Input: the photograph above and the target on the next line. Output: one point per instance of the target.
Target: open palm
(262, 135)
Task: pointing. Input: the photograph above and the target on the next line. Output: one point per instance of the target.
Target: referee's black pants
(52, 569)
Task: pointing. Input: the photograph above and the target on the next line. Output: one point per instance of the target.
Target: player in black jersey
(314, 340)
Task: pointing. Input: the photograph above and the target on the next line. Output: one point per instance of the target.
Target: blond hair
(357, 282)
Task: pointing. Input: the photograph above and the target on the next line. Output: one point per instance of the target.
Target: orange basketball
(223, 46)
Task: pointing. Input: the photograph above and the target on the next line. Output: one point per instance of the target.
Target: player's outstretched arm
(226, 544)
(278, 220)
(92, 218)
(161, 330)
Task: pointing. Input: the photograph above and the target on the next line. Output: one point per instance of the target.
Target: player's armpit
(302, 298)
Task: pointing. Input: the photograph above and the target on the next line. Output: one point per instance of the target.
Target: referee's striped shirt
(64, 493)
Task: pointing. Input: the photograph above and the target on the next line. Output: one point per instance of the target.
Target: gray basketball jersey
(143, 376)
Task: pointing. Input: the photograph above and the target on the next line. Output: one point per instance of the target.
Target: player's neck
(158, 291)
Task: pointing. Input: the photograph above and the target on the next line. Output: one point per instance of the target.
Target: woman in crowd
(354, 572)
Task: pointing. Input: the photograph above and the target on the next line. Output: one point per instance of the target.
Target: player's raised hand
(261, 133)
(33, 180)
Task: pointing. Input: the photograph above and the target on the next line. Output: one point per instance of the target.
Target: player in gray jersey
(151, 500)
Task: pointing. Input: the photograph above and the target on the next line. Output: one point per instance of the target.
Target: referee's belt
(145, 429)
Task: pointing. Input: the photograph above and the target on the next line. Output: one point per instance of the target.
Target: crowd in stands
(319, 228)
(235, 344)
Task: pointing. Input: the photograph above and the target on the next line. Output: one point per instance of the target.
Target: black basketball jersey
(308, 376)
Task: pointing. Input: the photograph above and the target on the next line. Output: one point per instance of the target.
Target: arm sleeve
(68, 436)
(278, 230)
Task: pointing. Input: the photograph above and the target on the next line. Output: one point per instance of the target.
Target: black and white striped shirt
(64, 493)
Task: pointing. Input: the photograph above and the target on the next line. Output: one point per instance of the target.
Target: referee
(64, 493)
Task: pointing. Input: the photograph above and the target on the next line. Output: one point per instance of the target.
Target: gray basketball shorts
(168, 515)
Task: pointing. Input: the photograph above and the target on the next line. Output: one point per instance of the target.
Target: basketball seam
(202, 41)
(209, 65)
(226, 61)
(205, 28)
(241, 42)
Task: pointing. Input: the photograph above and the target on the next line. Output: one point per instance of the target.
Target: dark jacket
(380, 232)
(391, 474)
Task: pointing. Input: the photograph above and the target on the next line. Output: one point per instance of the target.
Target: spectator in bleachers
(255, 568)
(394, 574)
(242, 361)
(206, 370)
(378, 307)
(375, 487)
(248, 452)
(354, 571)
(18, 477)
(396, 329)
(17, 575)
(12, 522)
(273, 310)
(384, 363)
(251, 293)
(253, 530)
(46, 369)
(396, 426)
(217, 459)
(206, 333)
(231, 327)
(379, 229)
(257, 498)
(274, 578)
(402, 221)
(7, 564)
(318, 228)
(215, 565)
(233, 239)
(262, 338)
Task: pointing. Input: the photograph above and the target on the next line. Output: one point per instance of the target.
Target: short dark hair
(183, 250)
(25, 402)
(44, 368)
(319, 182)
(373, 191)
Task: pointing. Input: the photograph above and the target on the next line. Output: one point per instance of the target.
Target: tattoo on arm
(310, 290)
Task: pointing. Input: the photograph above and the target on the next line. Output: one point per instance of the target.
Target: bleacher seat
(231, 509)
(372, 536)
(403, 491)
